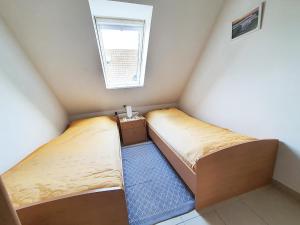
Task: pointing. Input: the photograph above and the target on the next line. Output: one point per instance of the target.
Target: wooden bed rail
(101, 206)
(225, 173)
(184, 171)
(234, 171)
(8, 215)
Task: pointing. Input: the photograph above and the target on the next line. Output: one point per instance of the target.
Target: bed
(214, 162)
(74, 179)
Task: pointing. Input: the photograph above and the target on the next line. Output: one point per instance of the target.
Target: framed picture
(248, 23)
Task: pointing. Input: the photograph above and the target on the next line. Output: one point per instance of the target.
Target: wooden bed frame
(225, 173)
(105, 206)
(8, 215)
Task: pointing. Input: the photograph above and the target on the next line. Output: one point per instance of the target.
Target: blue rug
(154, 192)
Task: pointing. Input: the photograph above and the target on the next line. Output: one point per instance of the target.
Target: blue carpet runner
(154, 192)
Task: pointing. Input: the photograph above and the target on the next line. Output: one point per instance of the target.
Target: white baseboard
(286, 189)
(140, 109)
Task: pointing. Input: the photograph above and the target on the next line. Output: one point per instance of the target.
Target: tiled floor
(264, 206)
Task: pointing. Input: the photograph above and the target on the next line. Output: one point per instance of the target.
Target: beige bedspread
(85, 157)
(189, 137)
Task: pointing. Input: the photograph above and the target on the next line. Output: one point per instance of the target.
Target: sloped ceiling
(59, 39)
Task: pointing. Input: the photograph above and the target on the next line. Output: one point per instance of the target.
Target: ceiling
(59, 39)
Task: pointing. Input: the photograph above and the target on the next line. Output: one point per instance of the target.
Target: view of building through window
(121, 48)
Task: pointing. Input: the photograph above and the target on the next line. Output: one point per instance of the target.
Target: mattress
(85, 157)
(192, 138)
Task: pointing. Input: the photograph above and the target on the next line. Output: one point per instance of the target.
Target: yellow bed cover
(85, 157)
(190, 137)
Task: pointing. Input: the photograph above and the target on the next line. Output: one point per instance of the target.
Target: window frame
(111, 21)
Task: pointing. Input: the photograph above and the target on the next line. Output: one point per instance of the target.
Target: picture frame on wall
(248, 23)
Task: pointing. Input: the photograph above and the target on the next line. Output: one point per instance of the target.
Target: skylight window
(121, 47)
(122, 31)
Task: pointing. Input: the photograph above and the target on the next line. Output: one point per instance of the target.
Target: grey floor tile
(274, 206)
(237, 213)
(173, 221)
(207, 209)
(264, 206)
(196, 221)
(190, 215)
(206, 219)
(213, 219)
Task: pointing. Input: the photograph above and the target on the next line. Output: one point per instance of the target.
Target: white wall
(252, 85)
(30, 114)
(139, 109)
(59, 37)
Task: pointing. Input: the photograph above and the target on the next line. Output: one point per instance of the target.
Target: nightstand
(133, 130)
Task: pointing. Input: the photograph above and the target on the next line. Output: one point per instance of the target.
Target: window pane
(121, 50)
